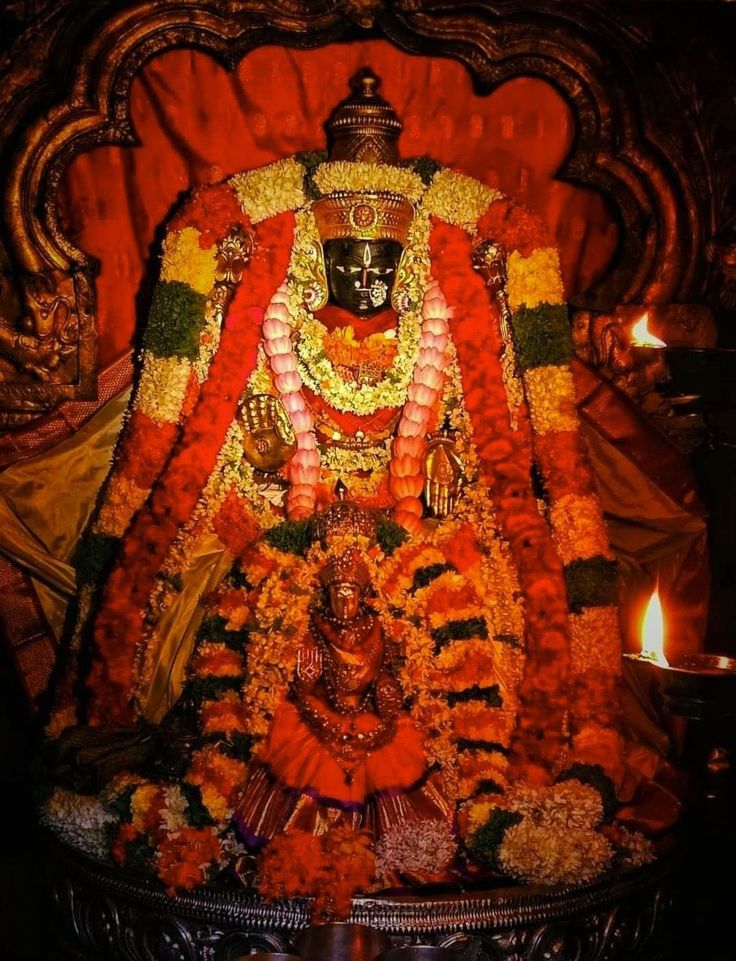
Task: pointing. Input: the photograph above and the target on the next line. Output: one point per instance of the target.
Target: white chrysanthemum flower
(356, 176)
(544, 854)
(173, 815)
(271, 190)
(638, 849)
(162, 387)
(79, 820)
(569, 804)
(416, 848)
(458, 199)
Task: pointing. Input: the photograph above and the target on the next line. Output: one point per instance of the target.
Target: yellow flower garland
(123, 500)
(551, 394)
(535, 279)
(186, 262)
(271, 190)
(577, 527)
(356, 177)
(458, 199)
(162, 387)
(594, 640)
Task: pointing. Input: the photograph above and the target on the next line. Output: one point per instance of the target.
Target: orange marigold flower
(223, 716)
(217, 660)
(185, 858)
(462, 550)
(119, 848)
(235, 525)
(291, 866)
(331, 869)
(215, 770)
(147, 802)
(449, 598)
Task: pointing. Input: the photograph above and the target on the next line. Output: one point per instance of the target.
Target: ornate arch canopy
(66, 88)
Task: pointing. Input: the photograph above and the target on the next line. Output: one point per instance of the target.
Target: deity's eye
(348, 270)
(383, 271)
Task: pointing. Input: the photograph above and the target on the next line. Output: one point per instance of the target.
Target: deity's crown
(345, 568)
(364, 128)
(344, 517)
(376, 215)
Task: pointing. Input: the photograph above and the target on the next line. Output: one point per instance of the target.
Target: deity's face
(344, 600)
(361, 274)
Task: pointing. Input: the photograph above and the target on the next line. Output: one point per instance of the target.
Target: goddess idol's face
(361, 274)
(344, 601)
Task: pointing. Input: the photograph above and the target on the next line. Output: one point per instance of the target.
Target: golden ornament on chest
(268, 440)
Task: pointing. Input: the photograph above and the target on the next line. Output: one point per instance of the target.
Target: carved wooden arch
(619, 148)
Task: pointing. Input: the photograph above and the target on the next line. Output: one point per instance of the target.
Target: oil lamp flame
(652, 631)
(641, 336)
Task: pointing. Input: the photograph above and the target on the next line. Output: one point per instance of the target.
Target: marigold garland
(594, 639)
(457, 199)
(163, 386)
(185, 261)
(513, 227)
(269, 191)
(119, 623)
(330, 868)
(505, 455)
(577, 527)
(550, 391)
(535, 279)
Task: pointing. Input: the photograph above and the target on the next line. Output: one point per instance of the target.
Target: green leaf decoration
(591, 583)
(390, 535)
(542, 335)
(490, 696)
(459, 631)
(95, 556)
(291, 537)
(175, 320)
(594, 776)
(425, 575)
(485, 842)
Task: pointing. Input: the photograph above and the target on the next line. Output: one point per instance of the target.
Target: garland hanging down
(513, 404)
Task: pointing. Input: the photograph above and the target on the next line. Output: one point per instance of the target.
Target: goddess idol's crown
(346, 568)
(364, 128)
(376, 215)
(344, 518)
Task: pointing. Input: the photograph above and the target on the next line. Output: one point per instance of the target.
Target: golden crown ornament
(364, 128)
(344, 518)
(345, 568)
(363, 216)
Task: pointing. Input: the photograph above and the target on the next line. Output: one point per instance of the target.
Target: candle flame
(652, 631)
(641, 336)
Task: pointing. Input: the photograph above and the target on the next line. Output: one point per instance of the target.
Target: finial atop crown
(364, 127)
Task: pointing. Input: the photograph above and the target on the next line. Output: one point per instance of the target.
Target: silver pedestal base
(102, 915)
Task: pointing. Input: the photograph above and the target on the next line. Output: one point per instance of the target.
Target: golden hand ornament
(308, 666)
(444, 473)
(268, 441)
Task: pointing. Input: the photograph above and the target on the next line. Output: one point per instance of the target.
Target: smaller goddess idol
(341, 751)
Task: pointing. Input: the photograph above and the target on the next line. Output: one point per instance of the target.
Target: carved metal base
(103, 915)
